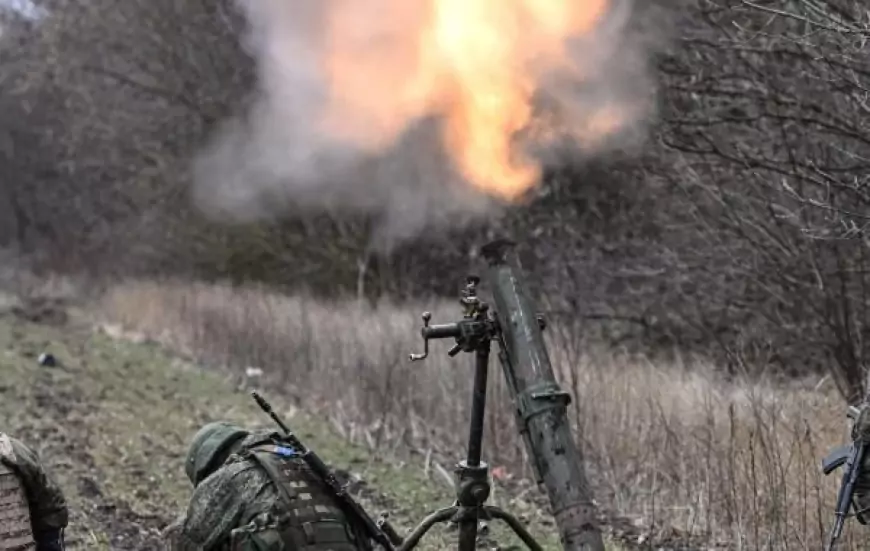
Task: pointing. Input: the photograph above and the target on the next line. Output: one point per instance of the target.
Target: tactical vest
(15, 531)
(305, 519)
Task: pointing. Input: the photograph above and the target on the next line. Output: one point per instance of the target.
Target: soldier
(251, 492)
(33, 510)
(861, 432)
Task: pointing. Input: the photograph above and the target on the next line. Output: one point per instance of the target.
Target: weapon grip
(443, 331)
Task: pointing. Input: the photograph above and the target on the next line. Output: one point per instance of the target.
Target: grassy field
(679, 456)
(113, 420)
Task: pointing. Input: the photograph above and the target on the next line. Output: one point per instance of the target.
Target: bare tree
(116, 96)
(766, 126)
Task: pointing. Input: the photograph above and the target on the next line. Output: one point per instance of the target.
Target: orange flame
(474, 63)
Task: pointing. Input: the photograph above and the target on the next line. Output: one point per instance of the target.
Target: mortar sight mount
(474, 333)
(476, 327)
(540, 408)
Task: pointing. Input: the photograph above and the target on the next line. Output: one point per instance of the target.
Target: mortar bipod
(474, 333)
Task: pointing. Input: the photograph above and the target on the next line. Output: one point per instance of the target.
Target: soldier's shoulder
(228, 487)
(7, 450)
(15, 451)
(237, 470)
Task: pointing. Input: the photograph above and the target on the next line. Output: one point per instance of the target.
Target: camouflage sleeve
(862, 493)
(216, 507)
(171, 533)
(47, 503)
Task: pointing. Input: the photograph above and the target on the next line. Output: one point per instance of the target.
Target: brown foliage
(738, 232)
(671, 446)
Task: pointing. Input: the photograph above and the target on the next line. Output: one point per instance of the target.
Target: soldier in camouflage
(33, 510)
(251, 492)
(861, 432)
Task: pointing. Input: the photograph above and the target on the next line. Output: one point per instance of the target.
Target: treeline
(739, 231)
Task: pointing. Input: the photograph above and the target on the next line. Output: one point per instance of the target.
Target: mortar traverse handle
(441, 331)
(414, 357)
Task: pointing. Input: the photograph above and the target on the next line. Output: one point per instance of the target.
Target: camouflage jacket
(48, 507)
(238, 493)
(862, 493)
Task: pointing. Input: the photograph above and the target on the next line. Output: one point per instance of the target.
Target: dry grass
(674, 446)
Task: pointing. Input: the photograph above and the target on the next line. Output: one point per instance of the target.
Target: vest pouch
(15, 529)
(324, 532)
(256, 538)
(261, 534)
(308, 519)
(271, 536)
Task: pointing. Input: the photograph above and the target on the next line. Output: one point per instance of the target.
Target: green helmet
(208, 448)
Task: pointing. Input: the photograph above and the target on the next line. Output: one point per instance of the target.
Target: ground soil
(111, 418)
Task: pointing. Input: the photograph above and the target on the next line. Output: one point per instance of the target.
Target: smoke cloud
(425, 114)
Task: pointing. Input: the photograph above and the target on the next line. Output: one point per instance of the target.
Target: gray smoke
(308, 143)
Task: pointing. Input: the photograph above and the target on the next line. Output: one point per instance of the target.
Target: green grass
(113, 420)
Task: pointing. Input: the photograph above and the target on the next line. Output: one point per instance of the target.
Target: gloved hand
(861, 426)
(50, 540)
(172, 533)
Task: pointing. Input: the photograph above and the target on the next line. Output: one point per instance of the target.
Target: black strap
(264, 455)
(277, 479)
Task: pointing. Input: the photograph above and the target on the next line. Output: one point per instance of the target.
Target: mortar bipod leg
(515, 525)
(441, 515)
